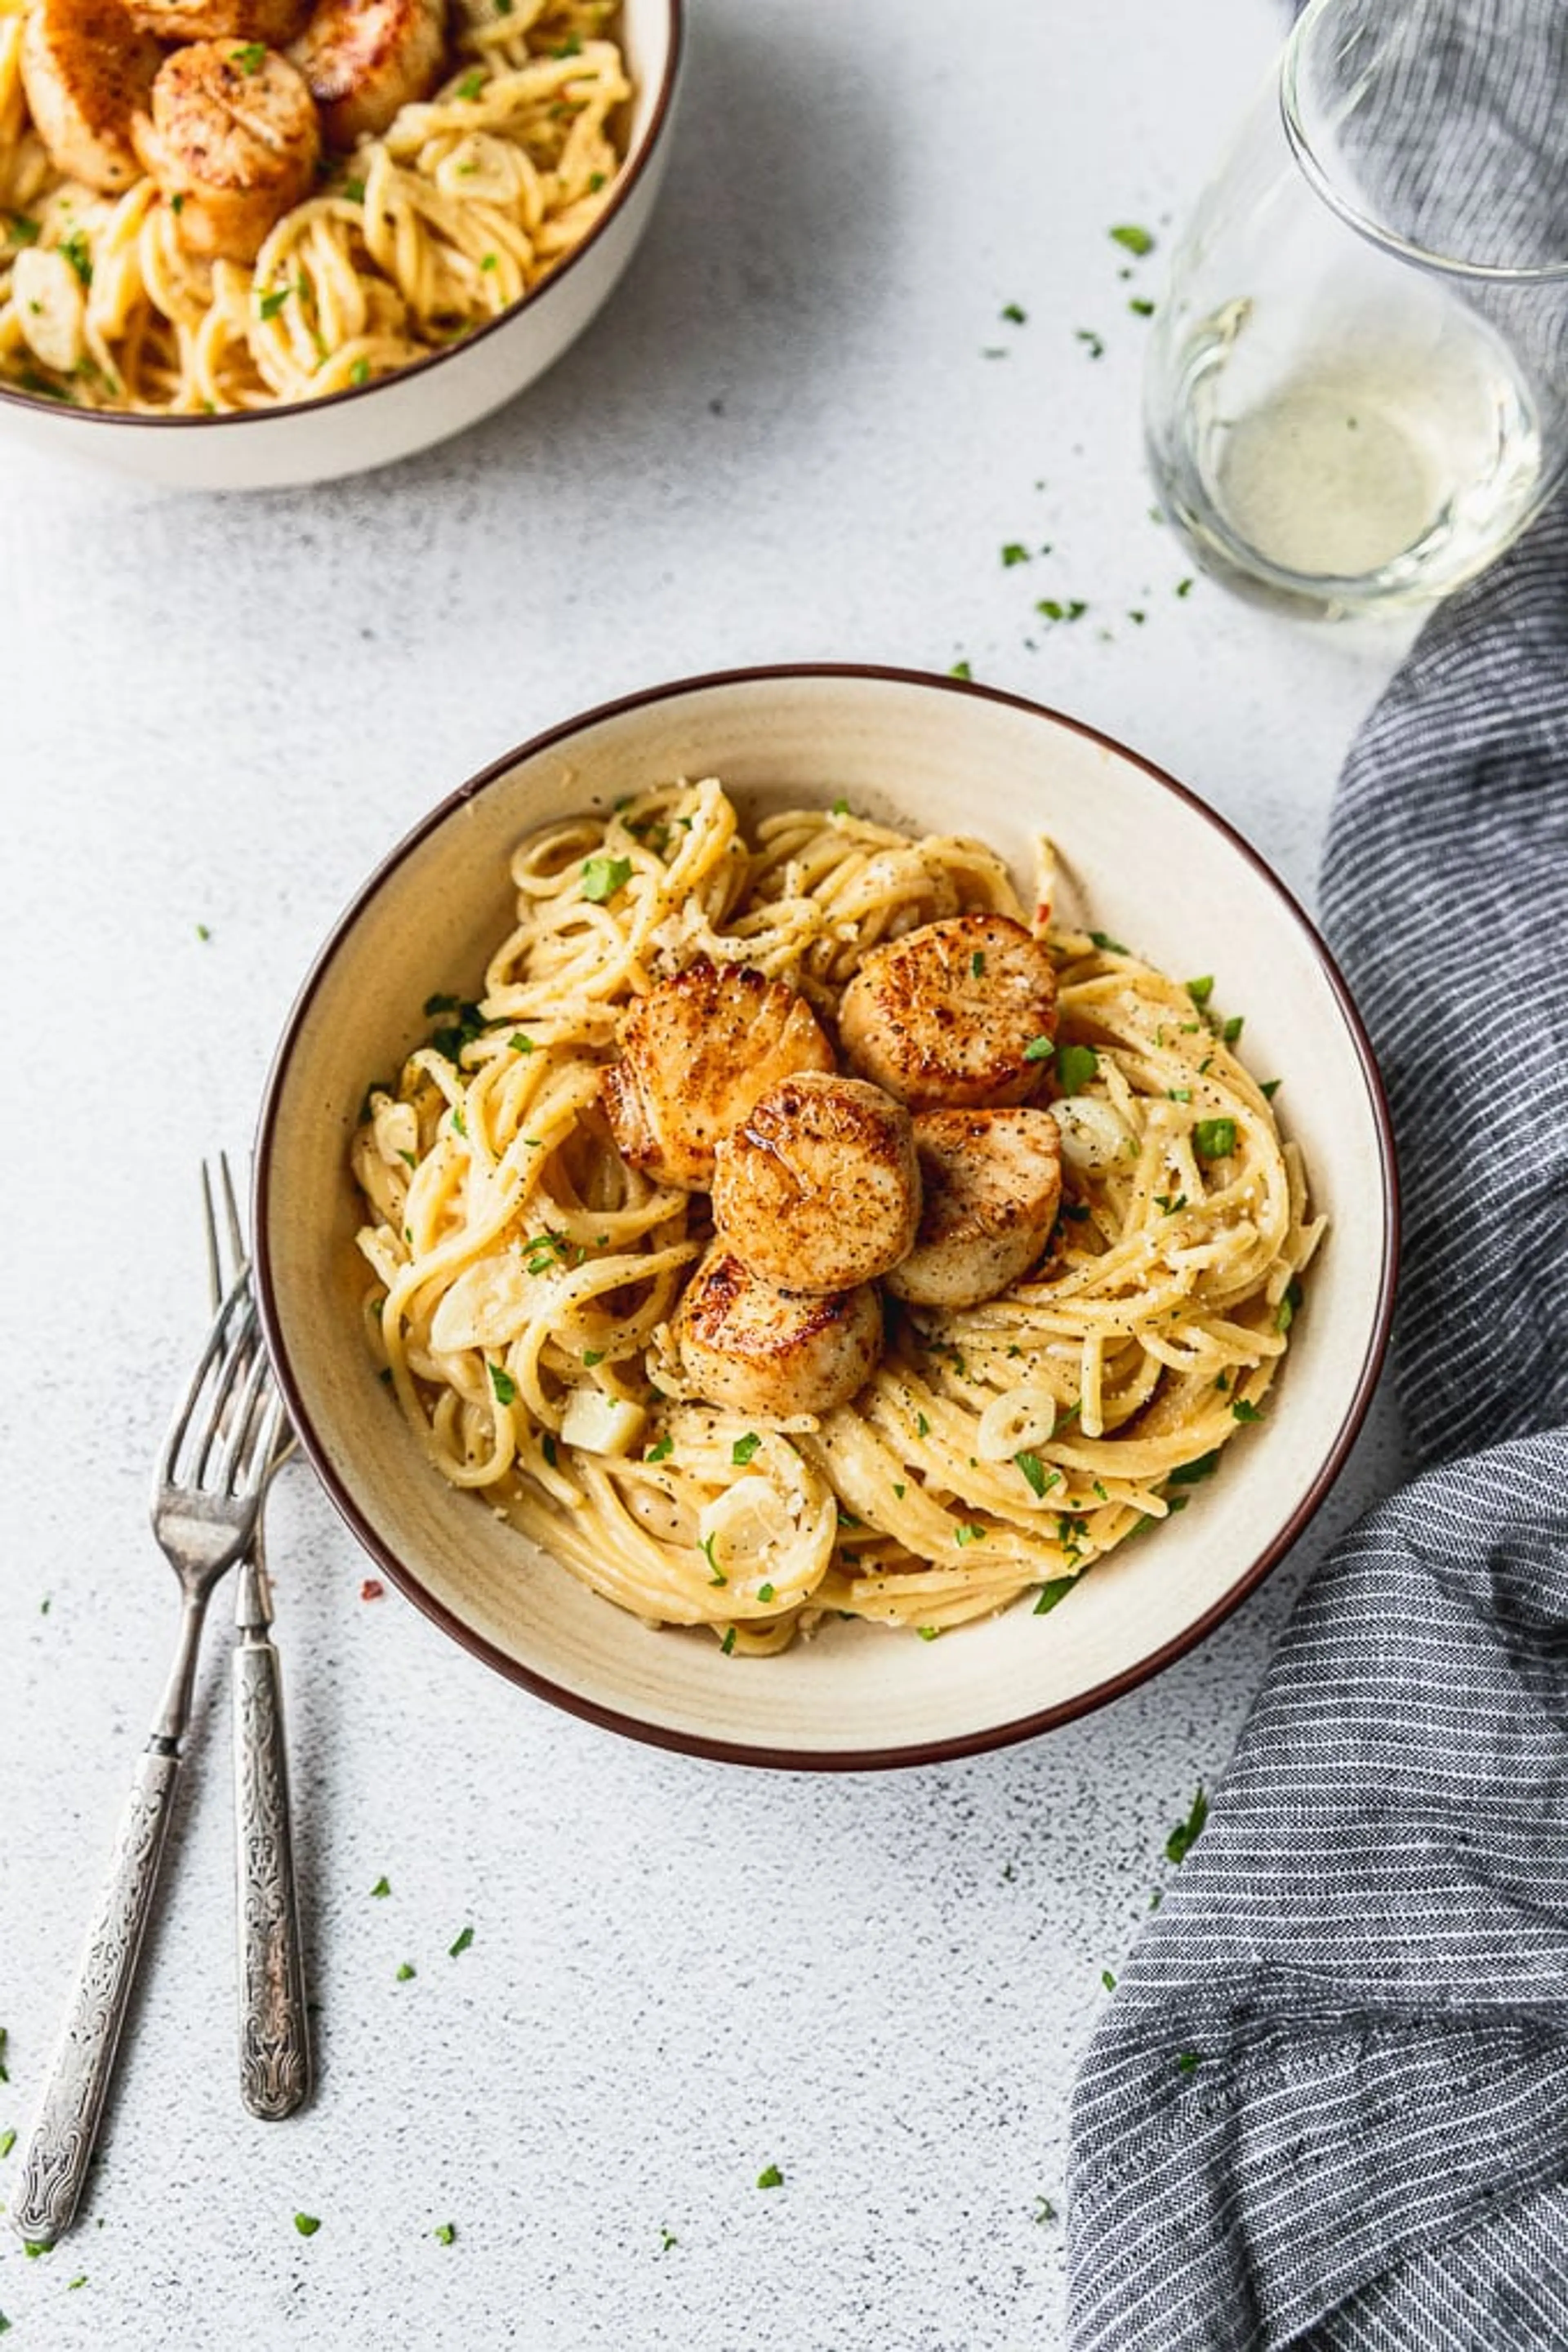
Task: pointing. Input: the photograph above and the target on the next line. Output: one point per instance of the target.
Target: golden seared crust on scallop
(816, 1189)
(365, 58)
(990, 1183)
(85, 70)
(746, 1344)
(236, 137)
(944, 1017)
(696, 1053)
(246, 21)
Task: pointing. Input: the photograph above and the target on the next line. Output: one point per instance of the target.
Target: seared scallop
(248, 21)
(85, 70)
(816, 1188)
(990, 1183)
(957, 1015)
(696, 1053)
(234, 135)
(746, 1344)
(365, 58)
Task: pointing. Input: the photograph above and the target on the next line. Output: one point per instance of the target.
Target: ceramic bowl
(373, 424)
(1154, 866)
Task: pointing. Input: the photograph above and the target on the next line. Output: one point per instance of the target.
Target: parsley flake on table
(1094, 344)
(1014, 552)
(1186, 2062)
(1108, 1981)
(1051, 608)
(307, 2224)
(1183, 587)
(1014, 314)
(770, 2177)
(7, 2142)
(1185, 1834)
(603, 877)
(443, 2232)
(1139, 308)
(1044, 2210)
(1132, 239)
(405, 1970)
(464, 1939)
(382, 1886)
(669, 2239)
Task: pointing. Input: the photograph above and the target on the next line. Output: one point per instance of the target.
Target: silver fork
(205, 1502)
(274, 2025)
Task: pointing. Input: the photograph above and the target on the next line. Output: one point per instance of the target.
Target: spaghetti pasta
(525, 1274)
(459, 208)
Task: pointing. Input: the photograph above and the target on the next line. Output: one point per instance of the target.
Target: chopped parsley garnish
(1231, 1030)
(1108, 1981)
(1168, 1203)
(717, 1576)
(1186, 2062)
(770, 2177)
(1014, 314)
(661, 1448)
(1133, 239)
(923, 1426)
(270, 304)
(1140, 308)
(764, 1592)
(405, 1969)
(592, 1356)
(1014, 553)
(1039, 1049)
(1055, 1589)
(354, 190)
(249, 57)
(1178, 1094)
(547, 1447)
(76, 252)
(1269, 1089)
(307, 2224)
(465, 1937)
(977, 963)
(490, 260)
(1214, 1139)
(360, 371)
(1076, 1065)
(472, 84)
(1184, 588)
(1242, 1411)
(520, 1042)
(603, 877)
(668, 2236)
(596, 182)
(24, 229)
(572, 47)
(928, 1633)
(961, 669)
(1039, 1479)
(505, 1387)
(728, 1644)
(1185, 1834)
(382, 1886)
(1285, 1313)
(1188, 1473)
(840, 807)
(1200, 991)
(1108, 945)
(968, 1534)
(743, 1448)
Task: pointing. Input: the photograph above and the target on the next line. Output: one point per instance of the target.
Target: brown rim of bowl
(873, 1759)
(39, 404)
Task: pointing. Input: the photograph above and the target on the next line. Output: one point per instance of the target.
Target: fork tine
(216, 1284)
(229, 1348)
(232, 1427)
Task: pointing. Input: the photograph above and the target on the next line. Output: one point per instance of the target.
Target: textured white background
(781, 441)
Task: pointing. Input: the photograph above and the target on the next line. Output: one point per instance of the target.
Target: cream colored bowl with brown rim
(1153, 867)
(370, 424)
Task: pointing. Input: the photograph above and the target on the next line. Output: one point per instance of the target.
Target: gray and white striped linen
(1366, 1953)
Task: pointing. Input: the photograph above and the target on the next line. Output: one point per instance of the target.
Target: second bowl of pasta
(826, 1217)
(247, 243)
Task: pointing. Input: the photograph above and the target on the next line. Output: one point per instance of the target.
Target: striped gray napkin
(1328, 2105)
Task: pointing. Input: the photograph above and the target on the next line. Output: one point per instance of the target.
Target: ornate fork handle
(54, 2162)
(275, 2051)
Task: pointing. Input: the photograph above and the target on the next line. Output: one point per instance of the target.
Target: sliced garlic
(50, 307)
(601, 1423)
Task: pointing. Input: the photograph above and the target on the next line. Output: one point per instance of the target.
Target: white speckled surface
(782, 441)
